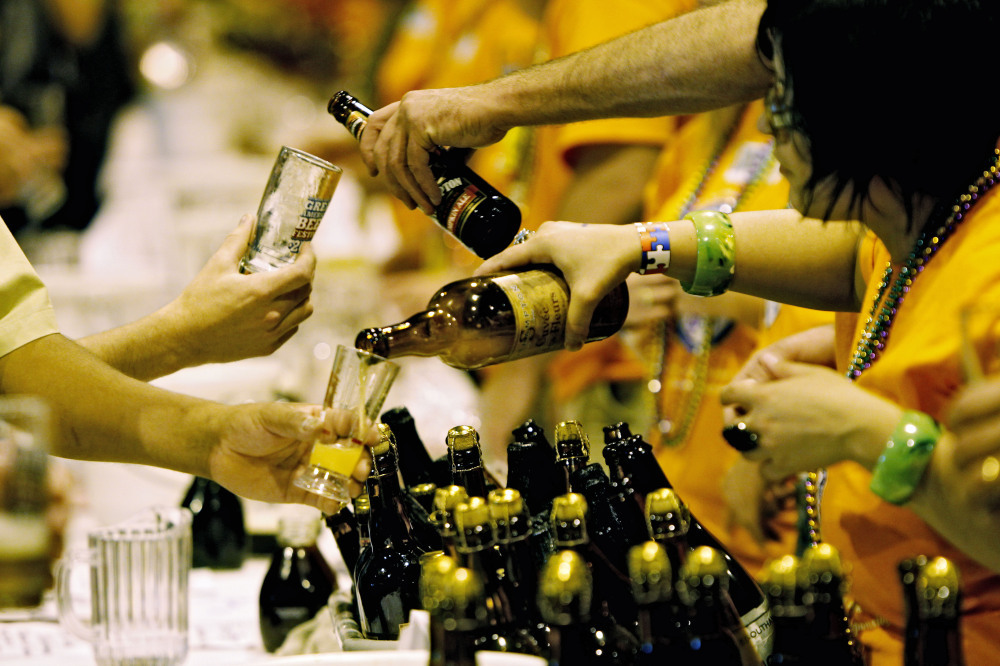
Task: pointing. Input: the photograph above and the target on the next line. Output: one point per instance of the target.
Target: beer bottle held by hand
(481, 321)
(471, 210)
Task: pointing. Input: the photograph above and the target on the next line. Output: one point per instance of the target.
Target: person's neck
(898, 229)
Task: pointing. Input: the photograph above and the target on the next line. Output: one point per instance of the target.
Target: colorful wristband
(714, 267)
(654, 237)
(899, 469)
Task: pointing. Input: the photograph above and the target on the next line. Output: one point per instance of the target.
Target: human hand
(652, 298)
(262, 447)
(224, 315)
(807, 416)
(752, 502)
(399, 138)
(974, 421)
(593, 258)
(25, 152)
(815, 345)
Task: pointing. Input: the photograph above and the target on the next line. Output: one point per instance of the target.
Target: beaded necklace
(680, 429)
(888, 298)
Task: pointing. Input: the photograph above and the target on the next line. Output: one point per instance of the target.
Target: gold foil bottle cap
(362, 504)
(461, 438)
(461, 600)
(505, 502)
(569, 520)
(650, 572)
(565, 588)
(781, 572)
(472, 513)
(571, 440)
(422, 489)
(386, 440)
(705, 569)
(666, 515)
(433, 567)
(939, 589)
(821, 565)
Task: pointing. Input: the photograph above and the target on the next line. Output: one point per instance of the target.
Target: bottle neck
(388, 525)
(467, 471)
(426, 333)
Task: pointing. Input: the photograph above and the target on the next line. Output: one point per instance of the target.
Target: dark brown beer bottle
(671, 523)
(443, 516)
(217, 526)
(299, 582)
(387, 576)
(939, 608)
(344, 527)
(780, 582)
(433, 567)
(572, 451)
(462, 608)
(715, 633)
(565, 600)
(660, 630)
(476, 540)
(490, 319)
(415, 464)
(828, 631)
(907, 570)
(466, 456)
(471, 210)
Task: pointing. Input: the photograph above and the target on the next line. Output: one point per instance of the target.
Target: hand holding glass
(294, 202)
(358, 385)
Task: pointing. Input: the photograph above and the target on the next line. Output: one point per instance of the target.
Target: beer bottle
(362, 514)
(424, 493)
(298, 582)
(661, 631)
(565, 600)
(572, 451)
(462, 609)
(415, 463)
(832, 643)
(512, 522)
(939, 608)
(479, 321)
(467, 461)
(387, 577)
(669, 519)
(219, 537)
(344, 527)
(531, 468)
(471, 210)
(780, 582)
(907, 570)
(715, 633)
(476, 540)
(433, 566)
(609, 583)
(443, 517)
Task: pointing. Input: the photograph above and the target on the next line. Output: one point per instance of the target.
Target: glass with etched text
(297, 195)
(359, 383)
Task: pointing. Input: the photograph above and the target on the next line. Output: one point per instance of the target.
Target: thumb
(780, 368)
(235, 244)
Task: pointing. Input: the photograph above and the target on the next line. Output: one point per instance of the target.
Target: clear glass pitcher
(138, 589)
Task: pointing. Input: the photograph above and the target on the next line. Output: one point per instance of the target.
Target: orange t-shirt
(919, 369)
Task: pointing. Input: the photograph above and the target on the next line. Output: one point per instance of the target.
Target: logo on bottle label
(355, 124)
(539, 300)
(760, 628)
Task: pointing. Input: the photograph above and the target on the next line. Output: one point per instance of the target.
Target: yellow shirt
(919, 369)
(25, 311)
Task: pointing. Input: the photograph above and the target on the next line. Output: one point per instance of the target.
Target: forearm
(702, 60)
(101, 414)
(144, 349)
(608, 183)
(782, 257)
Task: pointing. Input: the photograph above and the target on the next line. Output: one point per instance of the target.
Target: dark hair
(897, 89)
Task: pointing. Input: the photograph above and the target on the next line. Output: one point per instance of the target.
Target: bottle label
(355, 124)
(760, 628)
(459, 199)
(539, 300)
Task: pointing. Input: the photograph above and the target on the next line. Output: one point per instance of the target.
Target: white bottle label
(760, 628)
(540, 300)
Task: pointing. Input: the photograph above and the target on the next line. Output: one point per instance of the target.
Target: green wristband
(716, 247)
(899, 469)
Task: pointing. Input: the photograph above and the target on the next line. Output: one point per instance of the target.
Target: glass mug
(295, 199)
(138, 589)
(358, 385)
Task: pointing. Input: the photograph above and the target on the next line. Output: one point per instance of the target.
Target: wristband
(898, 471)
(716, 246)
(654, 237)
